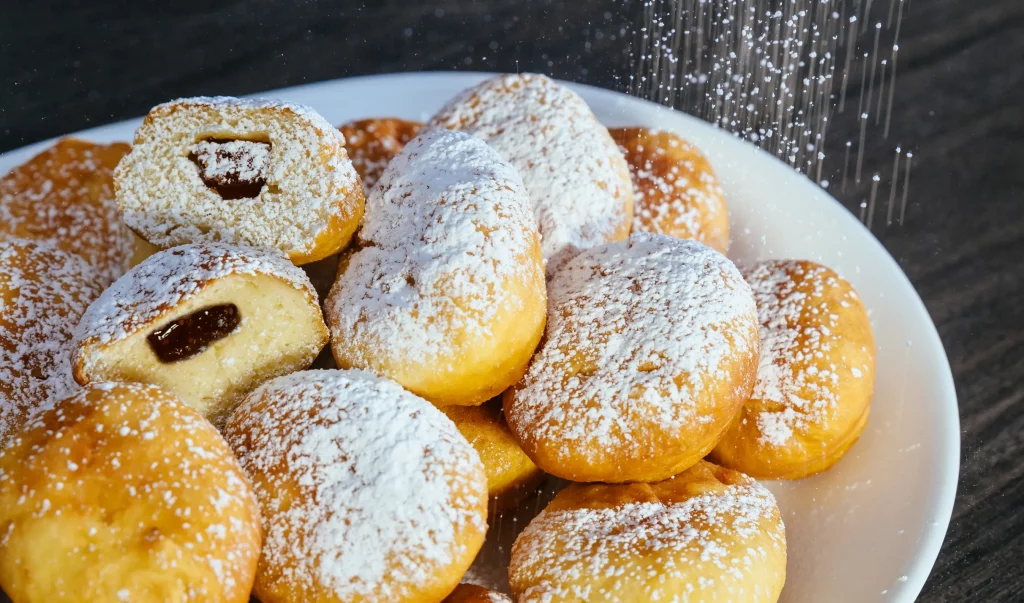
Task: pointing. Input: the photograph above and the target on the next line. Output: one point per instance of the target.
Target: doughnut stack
(505, 296)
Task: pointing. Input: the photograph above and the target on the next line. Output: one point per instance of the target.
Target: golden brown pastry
(677, 192)
(574, 173)
(708, 534)
(813, 391)
(124, 493)
(65, 196)
(511, 474)
(445, 292)
(471, 593)
(650, 350)
(367, 492)
(208, 322)
(44, 291)
(372, 144)
(223, 169)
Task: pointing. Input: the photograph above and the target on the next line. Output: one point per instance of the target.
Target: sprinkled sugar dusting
(445, 229)
(795, 329)
(65, 195)
(372, 143)
(167, 279)
(577, 179)
(43, 293)
(634, 329)
(380, 483)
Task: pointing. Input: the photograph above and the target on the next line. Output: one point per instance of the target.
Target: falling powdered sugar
(380, 486)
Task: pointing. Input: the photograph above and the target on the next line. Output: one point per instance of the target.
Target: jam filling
(190, 335)
(236, 169)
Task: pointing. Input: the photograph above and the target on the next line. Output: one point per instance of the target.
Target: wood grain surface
(959, 106)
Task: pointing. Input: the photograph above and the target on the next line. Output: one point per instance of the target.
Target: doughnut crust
(124, 493)
(677, 192)
(471, 593)
(813, 392)
(650, 350)
(510, 473)
(65, 196)
(445, 292)
(222, 169)
(368, 493)
(708, 534)
(209, 322)
(576, 176)
(372, 144)
(43, 293)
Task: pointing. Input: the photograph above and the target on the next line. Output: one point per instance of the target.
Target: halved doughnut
(650, 350)
(707, 534)
(208, 322)
(123, 493)
(445, 291)
(367, 492)
(813, 391)
(576, 176)
(372, 144)
(223, 169)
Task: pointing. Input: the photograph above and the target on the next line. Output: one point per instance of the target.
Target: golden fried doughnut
(124, 493)
(677, 192)
(708, 534)
(445, 293)
(813, 391)
(510, 473)
(576, 176)
(373, 143)
(65, 195)
(209, 322)
(367, 492)
(44, 291)
(223, 169)
(471, 593)
(650, 351)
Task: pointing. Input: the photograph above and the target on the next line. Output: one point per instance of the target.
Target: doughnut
(677, 192)
(510, 473)
(373, 143)
(576, 176)
(707, 534)
(123, 493)
(471, 593)
(445, 293)
(44, 291)
(208, 322)
(814, 384)
(65, 195)
(650, 350)
(222, 169)
(367, 492)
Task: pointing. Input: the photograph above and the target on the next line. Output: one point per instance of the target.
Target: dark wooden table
(959, 105)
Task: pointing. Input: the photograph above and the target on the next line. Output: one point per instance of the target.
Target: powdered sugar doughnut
(262, 173)
(445, 293)
(677, 193)
(817, 372)
(708, 534)
(208, 322)
(650, 351)
(65, 195)
(368, 493)
(577, 178)
(124, 493)
(373, 143)
(43, 293)
(471, 593)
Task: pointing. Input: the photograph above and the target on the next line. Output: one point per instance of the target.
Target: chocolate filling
(236, 169)
(190, 335)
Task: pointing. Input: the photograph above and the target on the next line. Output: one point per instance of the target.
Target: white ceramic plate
(869, 529)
